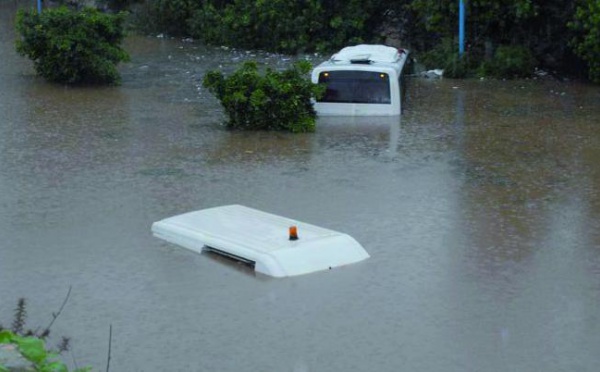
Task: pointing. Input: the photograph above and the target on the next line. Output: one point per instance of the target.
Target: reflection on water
(374, 132)
(254, 148)
(480, 208)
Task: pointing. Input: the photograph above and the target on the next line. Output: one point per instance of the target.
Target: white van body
(362, 80)
(261, 240)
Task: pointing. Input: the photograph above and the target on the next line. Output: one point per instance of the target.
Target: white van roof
(372, 53)
(261, 239)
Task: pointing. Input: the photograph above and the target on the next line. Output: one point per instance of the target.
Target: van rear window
(355, 87)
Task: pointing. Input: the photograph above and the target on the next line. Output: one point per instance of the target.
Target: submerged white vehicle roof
(361, 80)
(367, 52)
(261, 239)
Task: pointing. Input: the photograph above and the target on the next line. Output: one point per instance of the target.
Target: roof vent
(274, 245)
(363, 59)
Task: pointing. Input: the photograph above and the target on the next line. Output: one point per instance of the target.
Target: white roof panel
(374, 53)
(262, 238)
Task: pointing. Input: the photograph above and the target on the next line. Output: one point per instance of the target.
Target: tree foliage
(166, 16)
(587, 38)
(509, 61)
(275, 100)
(31, 344)
(276, 25)
(537, 25)
(283, 25)
(73, 47)
(34, 350)
(291, 26)
(487, 19)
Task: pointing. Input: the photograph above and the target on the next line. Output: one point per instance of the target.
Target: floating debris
(433, 74)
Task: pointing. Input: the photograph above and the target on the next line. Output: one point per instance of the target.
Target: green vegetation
(277, 25)
(487, 19)
(281, 25)
(31, 343)
(73, 47)
(510, 61)
(587, 39)
(505, 39)
(34, 350)
(510, 38)
(270, 101)
(496, 38)
(165, 16)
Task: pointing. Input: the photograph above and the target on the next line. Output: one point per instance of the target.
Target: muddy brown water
(480, 209)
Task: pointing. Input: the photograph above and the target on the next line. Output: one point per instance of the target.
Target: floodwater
(480, 209)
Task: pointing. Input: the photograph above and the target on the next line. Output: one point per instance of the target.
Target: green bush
(438, 56)
(31, 344)
(274, 101)
(73, 47)
(587, 40)
(458, 67)
(445, 56)
(285, 26)
(350, 22)
(276, 25)
(164, 16)
(510, 61)
(34, 350)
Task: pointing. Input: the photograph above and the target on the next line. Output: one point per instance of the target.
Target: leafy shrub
(458, 67)
(115, 5)
(587, 40)
(276, 25)
(164, 16)
(283, 25)
(349, 22)
(445, 56)
(510, 61)
(274, 101)
(73, 47)
(31, 343)
(34, 350)
(438, 56)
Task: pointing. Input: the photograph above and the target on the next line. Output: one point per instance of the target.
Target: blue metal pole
(39, 6)
(461, 27)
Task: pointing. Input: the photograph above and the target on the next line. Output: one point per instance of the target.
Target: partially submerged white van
(362, 80)
(273, 245)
